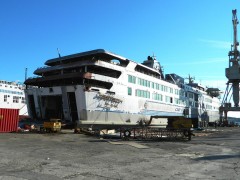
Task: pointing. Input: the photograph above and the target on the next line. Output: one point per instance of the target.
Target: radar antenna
(190, 79)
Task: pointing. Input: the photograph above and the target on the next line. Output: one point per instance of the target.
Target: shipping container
(9, 120)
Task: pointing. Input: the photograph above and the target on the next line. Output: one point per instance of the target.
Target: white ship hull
(12, 96)
(92, 110)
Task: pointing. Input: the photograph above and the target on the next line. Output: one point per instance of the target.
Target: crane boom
(235, 23)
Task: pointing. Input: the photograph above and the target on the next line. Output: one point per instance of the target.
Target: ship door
(32, 109)
(72, 106)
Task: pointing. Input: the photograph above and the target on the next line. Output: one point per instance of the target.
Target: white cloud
(217, 44)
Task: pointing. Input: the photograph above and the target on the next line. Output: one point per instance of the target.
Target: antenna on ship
(26, 69)
(190, 79)
(153, 56)
(59, 55)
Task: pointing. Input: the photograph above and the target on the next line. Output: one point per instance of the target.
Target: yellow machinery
(179, 122)
(175, 122)
(177, 127)
(52, 126)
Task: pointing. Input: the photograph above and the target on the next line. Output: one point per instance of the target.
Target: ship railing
(34, 77)
(13, 83)
(43, 67)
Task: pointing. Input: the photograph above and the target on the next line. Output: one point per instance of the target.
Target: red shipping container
(9, 120)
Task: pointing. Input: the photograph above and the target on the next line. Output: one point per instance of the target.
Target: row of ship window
(15, 87)
(16, 99)
(168, 99)
(146, 83)
(10, 92)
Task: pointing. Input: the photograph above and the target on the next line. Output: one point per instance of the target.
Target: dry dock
(210, 155)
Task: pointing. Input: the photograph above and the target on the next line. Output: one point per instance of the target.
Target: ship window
(164, 88)
(161, 87)
(5, 98)
(23, 100)
(183, 102)
(142, 93)
(132, 79)
(191, 103)
(179, 101)
(153, 85)
(190, 95)
(168, 99)
(129, 91)
(144, 82)
(177, 92)
(181, 93)
(176, 101)
(15, 99)
(157, 97)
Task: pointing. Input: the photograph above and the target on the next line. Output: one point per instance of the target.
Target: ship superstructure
(101, 89)
(12, 96)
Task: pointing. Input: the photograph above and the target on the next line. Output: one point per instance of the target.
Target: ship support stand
(233, 75)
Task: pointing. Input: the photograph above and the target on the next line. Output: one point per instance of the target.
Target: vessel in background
(12, 96)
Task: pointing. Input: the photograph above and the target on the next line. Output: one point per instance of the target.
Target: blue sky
(187, 36)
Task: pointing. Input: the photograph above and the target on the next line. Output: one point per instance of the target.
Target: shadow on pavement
(218, 157)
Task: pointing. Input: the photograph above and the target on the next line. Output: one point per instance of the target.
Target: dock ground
(211, 154)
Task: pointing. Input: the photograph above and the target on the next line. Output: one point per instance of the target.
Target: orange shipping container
(9, 120)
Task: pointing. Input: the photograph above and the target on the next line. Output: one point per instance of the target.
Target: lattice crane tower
(232, 73)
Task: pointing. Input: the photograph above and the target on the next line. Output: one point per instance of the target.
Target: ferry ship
(100, 89)
(13, 97)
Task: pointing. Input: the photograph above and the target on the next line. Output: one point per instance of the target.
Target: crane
(232, 73)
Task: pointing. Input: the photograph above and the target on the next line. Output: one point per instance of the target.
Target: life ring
(127, 133)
